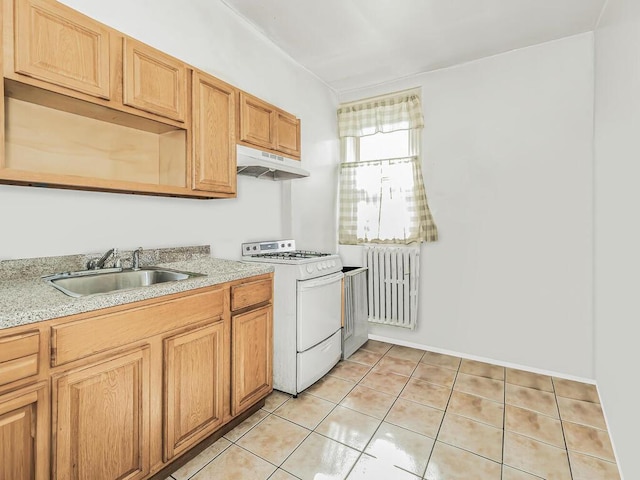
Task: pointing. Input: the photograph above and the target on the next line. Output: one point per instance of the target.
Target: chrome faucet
(97, 263)
(135, 259)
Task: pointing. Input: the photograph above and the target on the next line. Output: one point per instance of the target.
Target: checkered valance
(400, 111)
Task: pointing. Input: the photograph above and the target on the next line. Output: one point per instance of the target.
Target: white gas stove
(307, 311)
(283, 252)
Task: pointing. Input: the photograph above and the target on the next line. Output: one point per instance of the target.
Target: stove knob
(324, 264)
(310, 268)
(333, 263)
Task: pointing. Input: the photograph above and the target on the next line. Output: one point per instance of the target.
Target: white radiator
(393, 284)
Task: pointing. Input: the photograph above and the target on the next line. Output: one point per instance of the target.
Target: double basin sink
(91, 282)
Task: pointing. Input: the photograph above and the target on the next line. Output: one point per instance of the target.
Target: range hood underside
(260, 164)
(266, 172)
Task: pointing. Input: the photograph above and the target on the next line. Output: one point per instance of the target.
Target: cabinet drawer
(18, 369)
(19, 356)
(251, 293)
(79, 339)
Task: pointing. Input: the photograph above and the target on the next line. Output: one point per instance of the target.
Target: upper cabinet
(214, 140)
(153, 81)
(58, 45)
(257, 119)
(288, 134)
(266, 126)
(86, 107)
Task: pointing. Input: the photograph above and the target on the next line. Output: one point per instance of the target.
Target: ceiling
(351, 44)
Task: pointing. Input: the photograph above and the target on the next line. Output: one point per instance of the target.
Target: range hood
(260, 164)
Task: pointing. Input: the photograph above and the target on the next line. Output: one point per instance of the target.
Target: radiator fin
(393, 284)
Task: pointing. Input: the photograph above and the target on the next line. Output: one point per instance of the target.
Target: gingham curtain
(383, 201)
(382, 115)
(379, 205)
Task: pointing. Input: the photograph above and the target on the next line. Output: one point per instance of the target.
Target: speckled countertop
(26, 298)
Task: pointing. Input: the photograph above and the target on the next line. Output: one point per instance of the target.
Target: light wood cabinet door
(257, 120)
(56, 44)
(194, 387)
(102, 419)
(251, 357)
(214, 140)
(154, 81)
(288, 134)
(2, 110)
(24, 434)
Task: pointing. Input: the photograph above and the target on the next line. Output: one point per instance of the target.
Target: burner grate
(292, 255)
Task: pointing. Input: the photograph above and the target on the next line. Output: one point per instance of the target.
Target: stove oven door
(319, 309)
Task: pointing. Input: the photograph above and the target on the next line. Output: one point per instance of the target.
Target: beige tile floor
(394, 413)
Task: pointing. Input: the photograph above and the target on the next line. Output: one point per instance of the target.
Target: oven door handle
(320, 281)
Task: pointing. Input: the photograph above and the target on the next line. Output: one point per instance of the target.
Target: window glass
(385, 145)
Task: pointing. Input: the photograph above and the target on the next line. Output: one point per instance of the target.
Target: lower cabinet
(101, 419)
(24, 434)
(252, 347)
(163, 376)
(194, 387)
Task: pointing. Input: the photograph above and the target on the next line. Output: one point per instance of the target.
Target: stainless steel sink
(91, 282)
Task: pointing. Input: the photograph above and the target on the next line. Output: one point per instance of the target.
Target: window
(382, 198)
(384, 145)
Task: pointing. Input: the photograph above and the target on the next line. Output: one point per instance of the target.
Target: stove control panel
(319, 268)
(268, 247)
(322, 266)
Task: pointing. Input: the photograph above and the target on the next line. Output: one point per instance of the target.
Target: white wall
(617, 239)
(508, 167)
(205, 33)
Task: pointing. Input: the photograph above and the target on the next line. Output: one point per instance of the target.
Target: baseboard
(494, 361)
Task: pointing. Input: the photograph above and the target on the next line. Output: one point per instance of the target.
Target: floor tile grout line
(386, 414)
(358, 411)
(470, 451)
(446, 407)
(305, 427)
(206, 464)
(504, 423)
(564, 435)
(268, 414)
(339, 404)
(397, 397)
(345, 444)
(547, 443)
(269, 461)
(452, 413)
(523, 471)
(311, 431)
(591, 455)
(287, 457)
